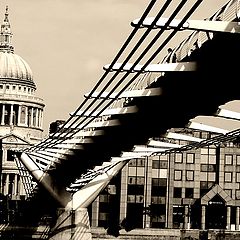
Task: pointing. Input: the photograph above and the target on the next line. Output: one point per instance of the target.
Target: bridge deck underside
(185, 95)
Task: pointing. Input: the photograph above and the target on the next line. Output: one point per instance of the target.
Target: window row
(15, 88)
(178, 192)
(137, 162)
(178, 175)
(189, 176)
(190, 158)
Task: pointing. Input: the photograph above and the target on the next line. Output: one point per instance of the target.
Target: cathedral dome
(14, 69)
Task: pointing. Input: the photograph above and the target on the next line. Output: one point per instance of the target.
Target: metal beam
(200, 25)
(109, 111)
(156, 143)
(127, 94)
(160, 67)
(61, 195)
(95, 124)
(228, 114)
(148, 149)
(85, 196)
(208, 128)
(183, 137)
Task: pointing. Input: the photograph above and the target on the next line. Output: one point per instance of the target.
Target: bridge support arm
(73, 221)
(61, 195)
(72, 225)
(86, 195)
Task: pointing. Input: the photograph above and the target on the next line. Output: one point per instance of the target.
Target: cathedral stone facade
(21, 116)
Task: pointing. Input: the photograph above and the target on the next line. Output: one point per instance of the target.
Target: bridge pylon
(72, 224)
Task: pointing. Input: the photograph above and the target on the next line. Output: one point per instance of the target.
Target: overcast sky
(67, 42)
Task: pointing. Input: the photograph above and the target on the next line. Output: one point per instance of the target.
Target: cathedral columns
(37, 117)
(3, 114)
(26, 116)
(11, 115)
(16, 190)
(31, 119)
(19, 115)
(7, 184)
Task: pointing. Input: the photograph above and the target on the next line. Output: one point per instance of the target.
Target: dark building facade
(194, 189)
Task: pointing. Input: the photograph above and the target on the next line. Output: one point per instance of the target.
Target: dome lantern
(6, 35)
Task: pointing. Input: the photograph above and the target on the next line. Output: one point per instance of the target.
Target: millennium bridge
(132, 111)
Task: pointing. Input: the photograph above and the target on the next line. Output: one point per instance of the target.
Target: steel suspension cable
(146, 50)
(122, 49)
(125, 62)
(142, 55)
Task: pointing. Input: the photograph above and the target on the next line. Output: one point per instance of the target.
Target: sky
(67, 42)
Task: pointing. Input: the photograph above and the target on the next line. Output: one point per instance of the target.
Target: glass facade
(178, 190)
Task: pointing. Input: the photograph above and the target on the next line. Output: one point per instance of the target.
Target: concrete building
(193, 189)
(21, 113)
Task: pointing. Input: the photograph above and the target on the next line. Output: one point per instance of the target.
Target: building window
(103, 216)
(177, 192)
(137, 162)
(131, 198)
(158, 216)
(159, 186)
(159, 182)
(205, 186)
(158, 200)
(163, 164)
(156, 164)
(238, 194)
(178, 216)
(238, 160)
(190, 158)
(139, 198)
(136, 180)
(189, 175)
(132, 180)
(135, 198)
(208, 168)
(228, 159)
(9, 156)
(140, 180)
(208, 155)
(178, 175)
(178, 157)
(189, 193)
(228, 177)
(103, 198)
(238, 177)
